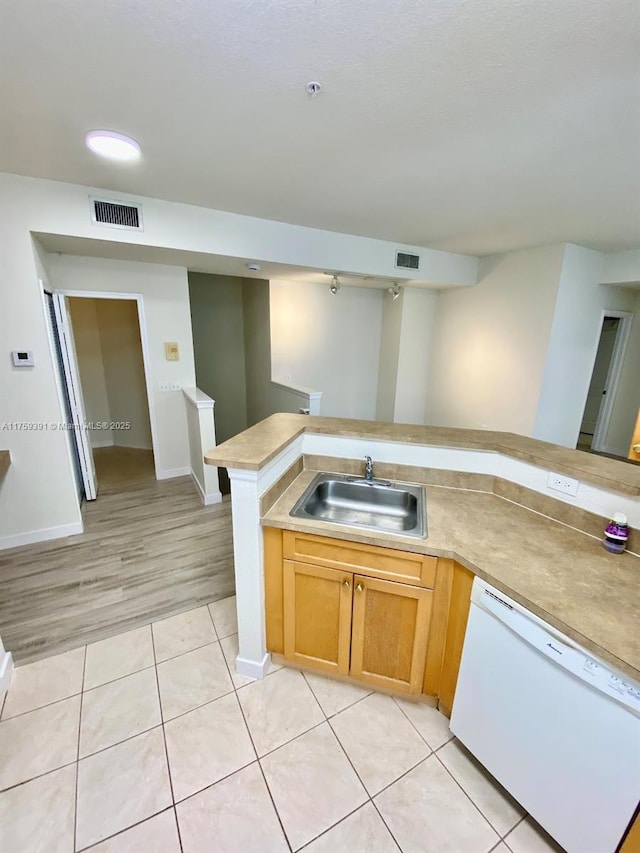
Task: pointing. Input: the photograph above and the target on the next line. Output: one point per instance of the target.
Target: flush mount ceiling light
(334, 287)
(114, 146)
(394, 291)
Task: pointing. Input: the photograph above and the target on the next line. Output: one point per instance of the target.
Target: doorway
(614, 332)
(105, 371)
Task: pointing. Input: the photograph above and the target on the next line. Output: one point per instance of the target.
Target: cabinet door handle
(359, 587)
(345, 584)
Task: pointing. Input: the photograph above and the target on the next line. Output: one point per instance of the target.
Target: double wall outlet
(562, 483)
(170, 386)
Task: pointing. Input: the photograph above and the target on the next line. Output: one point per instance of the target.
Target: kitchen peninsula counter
(561, 574)
(257, 446)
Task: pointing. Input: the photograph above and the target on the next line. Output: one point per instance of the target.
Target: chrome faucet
(368, 469)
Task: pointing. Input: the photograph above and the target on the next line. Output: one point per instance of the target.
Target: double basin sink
(366, 503)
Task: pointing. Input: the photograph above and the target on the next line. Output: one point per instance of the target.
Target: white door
(601, 367)
(72, 380)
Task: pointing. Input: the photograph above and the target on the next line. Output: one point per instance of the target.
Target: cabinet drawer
(372, 560)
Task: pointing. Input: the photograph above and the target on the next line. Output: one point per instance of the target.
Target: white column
(253, 658)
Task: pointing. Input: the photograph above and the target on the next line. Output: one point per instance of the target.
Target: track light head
(394, 291)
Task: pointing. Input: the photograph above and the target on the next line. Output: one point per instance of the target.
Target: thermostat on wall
(22, 358)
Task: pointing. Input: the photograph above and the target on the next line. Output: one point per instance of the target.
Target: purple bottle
(616, 534)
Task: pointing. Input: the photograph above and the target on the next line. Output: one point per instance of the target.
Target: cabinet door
(390, 633)
(317, 616)
(456, 628)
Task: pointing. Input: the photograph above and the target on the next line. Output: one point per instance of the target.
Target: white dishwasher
(556, 726)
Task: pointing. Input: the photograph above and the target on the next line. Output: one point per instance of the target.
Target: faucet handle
(368, 468)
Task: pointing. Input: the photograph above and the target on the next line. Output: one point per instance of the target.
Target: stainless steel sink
(371, 504)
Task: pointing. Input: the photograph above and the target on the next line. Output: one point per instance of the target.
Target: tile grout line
(468, 796)
(164, 739)
(330, 716)
(126, 829)
(40, 707)
(417, 729)
(364, 787)
(75, 797)
(381, 816)
(262, 773)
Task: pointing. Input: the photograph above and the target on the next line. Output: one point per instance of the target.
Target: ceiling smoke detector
(313, 88)
(253, 267)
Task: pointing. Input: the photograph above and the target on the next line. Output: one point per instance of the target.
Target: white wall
(389, 354)
(416, 340)
(490, 343)
(38, 498)
(33, 506)
(86, 337)
(405, 354)
(124, 371)
(573, 343)
(329, 343)
(165, 295)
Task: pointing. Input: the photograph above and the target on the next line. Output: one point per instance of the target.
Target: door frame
(613, 375)
(71, 378)
(146, 357)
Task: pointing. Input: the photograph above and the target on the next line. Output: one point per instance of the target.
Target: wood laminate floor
(150, 549)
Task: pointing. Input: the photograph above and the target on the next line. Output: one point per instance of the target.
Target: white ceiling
(469, 125)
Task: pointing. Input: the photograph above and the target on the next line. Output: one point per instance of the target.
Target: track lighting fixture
(394, 291)
(334, 287)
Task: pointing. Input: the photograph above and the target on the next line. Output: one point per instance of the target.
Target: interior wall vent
(116, 214)
(405, 261)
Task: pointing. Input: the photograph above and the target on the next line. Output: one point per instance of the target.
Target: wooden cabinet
(349, 609)
(460, 601)
(392, 619)
(317, 616)
(390, 633)
(631, 843)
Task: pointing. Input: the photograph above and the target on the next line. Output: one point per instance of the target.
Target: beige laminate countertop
(562, 575)
(256, 447)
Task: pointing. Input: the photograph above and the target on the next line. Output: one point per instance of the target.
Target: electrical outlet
(176, 386)
(560, 483)
(165, 386)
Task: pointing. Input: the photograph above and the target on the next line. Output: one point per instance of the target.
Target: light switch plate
(171, 351)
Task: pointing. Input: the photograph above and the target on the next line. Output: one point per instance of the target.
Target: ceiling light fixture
(394, 291)
(114, 146)
(334, 287)
(253, 267)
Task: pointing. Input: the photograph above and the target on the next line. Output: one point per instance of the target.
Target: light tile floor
(149, 741)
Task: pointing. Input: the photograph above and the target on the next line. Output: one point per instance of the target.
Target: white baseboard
(6, 670)
(252, 668)
(168, 473)
(60, 532)
(132, 446)
(207, 500)
(106, 442)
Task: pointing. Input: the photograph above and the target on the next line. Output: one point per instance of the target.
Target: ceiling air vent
(404, 261)
(116, 214)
